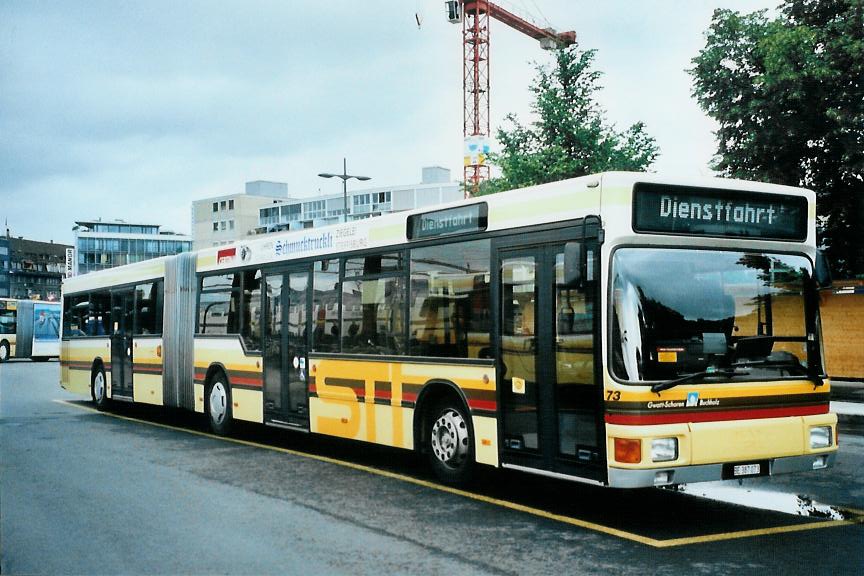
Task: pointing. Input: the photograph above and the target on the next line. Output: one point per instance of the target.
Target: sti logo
(692, 399)
(226, 256)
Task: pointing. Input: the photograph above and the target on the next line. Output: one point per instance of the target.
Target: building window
(222, 205)
(215, 226)
(381, 197)
(230, 204)
(230, 224)
(222, 225)
(215, 206)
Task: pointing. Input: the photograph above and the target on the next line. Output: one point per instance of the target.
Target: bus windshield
(716, 315)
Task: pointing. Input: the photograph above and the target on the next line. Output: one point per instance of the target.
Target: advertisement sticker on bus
(226, 256)
(46, 322)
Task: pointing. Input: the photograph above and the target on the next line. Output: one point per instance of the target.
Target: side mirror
(573, 264)
(822, 271)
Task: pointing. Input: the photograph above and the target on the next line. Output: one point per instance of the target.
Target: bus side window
(449, 300)
(8, 323)
(230, 304)
(75, 314)
(99, 318)
(373, 298)
(325, 306)
(251, 310)
(218, 305)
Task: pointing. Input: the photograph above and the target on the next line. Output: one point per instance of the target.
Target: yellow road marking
(751, 533)
(673, 542)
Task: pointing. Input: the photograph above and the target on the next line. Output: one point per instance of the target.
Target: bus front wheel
(4, 351)
(218, 407)
(450, 443)
(99, 389)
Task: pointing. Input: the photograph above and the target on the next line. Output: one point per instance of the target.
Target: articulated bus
(619, 329)
(29, 329)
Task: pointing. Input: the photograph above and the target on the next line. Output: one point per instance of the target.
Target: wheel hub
(218, 402)
(450, 438)
(99, 387)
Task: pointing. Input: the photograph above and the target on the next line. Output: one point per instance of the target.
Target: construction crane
(474, 16)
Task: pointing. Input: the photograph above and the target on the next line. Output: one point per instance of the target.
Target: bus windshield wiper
(789, 365)
(728, 373)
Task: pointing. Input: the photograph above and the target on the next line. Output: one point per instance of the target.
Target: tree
(788, 95)
(570, 136)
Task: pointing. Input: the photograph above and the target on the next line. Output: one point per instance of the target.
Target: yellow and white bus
(29, 329)
(619, 329)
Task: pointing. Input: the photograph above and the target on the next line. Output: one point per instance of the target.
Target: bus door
(548, 363)
(286, 331)
(122, 317)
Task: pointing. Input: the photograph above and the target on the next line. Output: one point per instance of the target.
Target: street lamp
(345, 177)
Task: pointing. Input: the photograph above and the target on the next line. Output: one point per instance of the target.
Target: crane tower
(474, 16)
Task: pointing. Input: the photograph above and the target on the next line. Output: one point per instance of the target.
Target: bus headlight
(664, 449)
(820, 437)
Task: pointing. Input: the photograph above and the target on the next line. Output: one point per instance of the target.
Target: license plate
(746, 469)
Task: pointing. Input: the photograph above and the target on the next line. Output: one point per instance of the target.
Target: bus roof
(608, 195)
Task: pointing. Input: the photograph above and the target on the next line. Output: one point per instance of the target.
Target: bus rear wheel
(4, 351)
(451, 443)
(99, 389)
(218, 399)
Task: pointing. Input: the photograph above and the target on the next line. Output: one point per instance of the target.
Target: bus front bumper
(624, 478)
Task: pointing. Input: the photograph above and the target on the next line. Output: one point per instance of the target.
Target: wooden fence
(842, 309)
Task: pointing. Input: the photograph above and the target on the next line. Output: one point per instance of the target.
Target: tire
(4, 352)
(99, 388)
(218, 405)
(450, 443)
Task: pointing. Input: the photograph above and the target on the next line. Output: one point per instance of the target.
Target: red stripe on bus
(147, 368)
(246, 381)
(483, 404)
(718, 416)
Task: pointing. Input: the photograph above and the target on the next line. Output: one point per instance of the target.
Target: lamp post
(345, 177)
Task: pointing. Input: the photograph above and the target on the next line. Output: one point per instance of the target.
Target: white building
(226, 219)
(436, 187)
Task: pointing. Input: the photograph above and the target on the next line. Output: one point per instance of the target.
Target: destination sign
(472, 218)
(688, 210)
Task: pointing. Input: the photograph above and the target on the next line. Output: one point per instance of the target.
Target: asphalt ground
(67, 468)
(847, 391)
(847, 400)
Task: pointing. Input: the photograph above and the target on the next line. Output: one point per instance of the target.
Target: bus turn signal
(628, 450)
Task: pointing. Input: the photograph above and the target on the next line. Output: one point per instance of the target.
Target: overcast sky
(133, 109)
